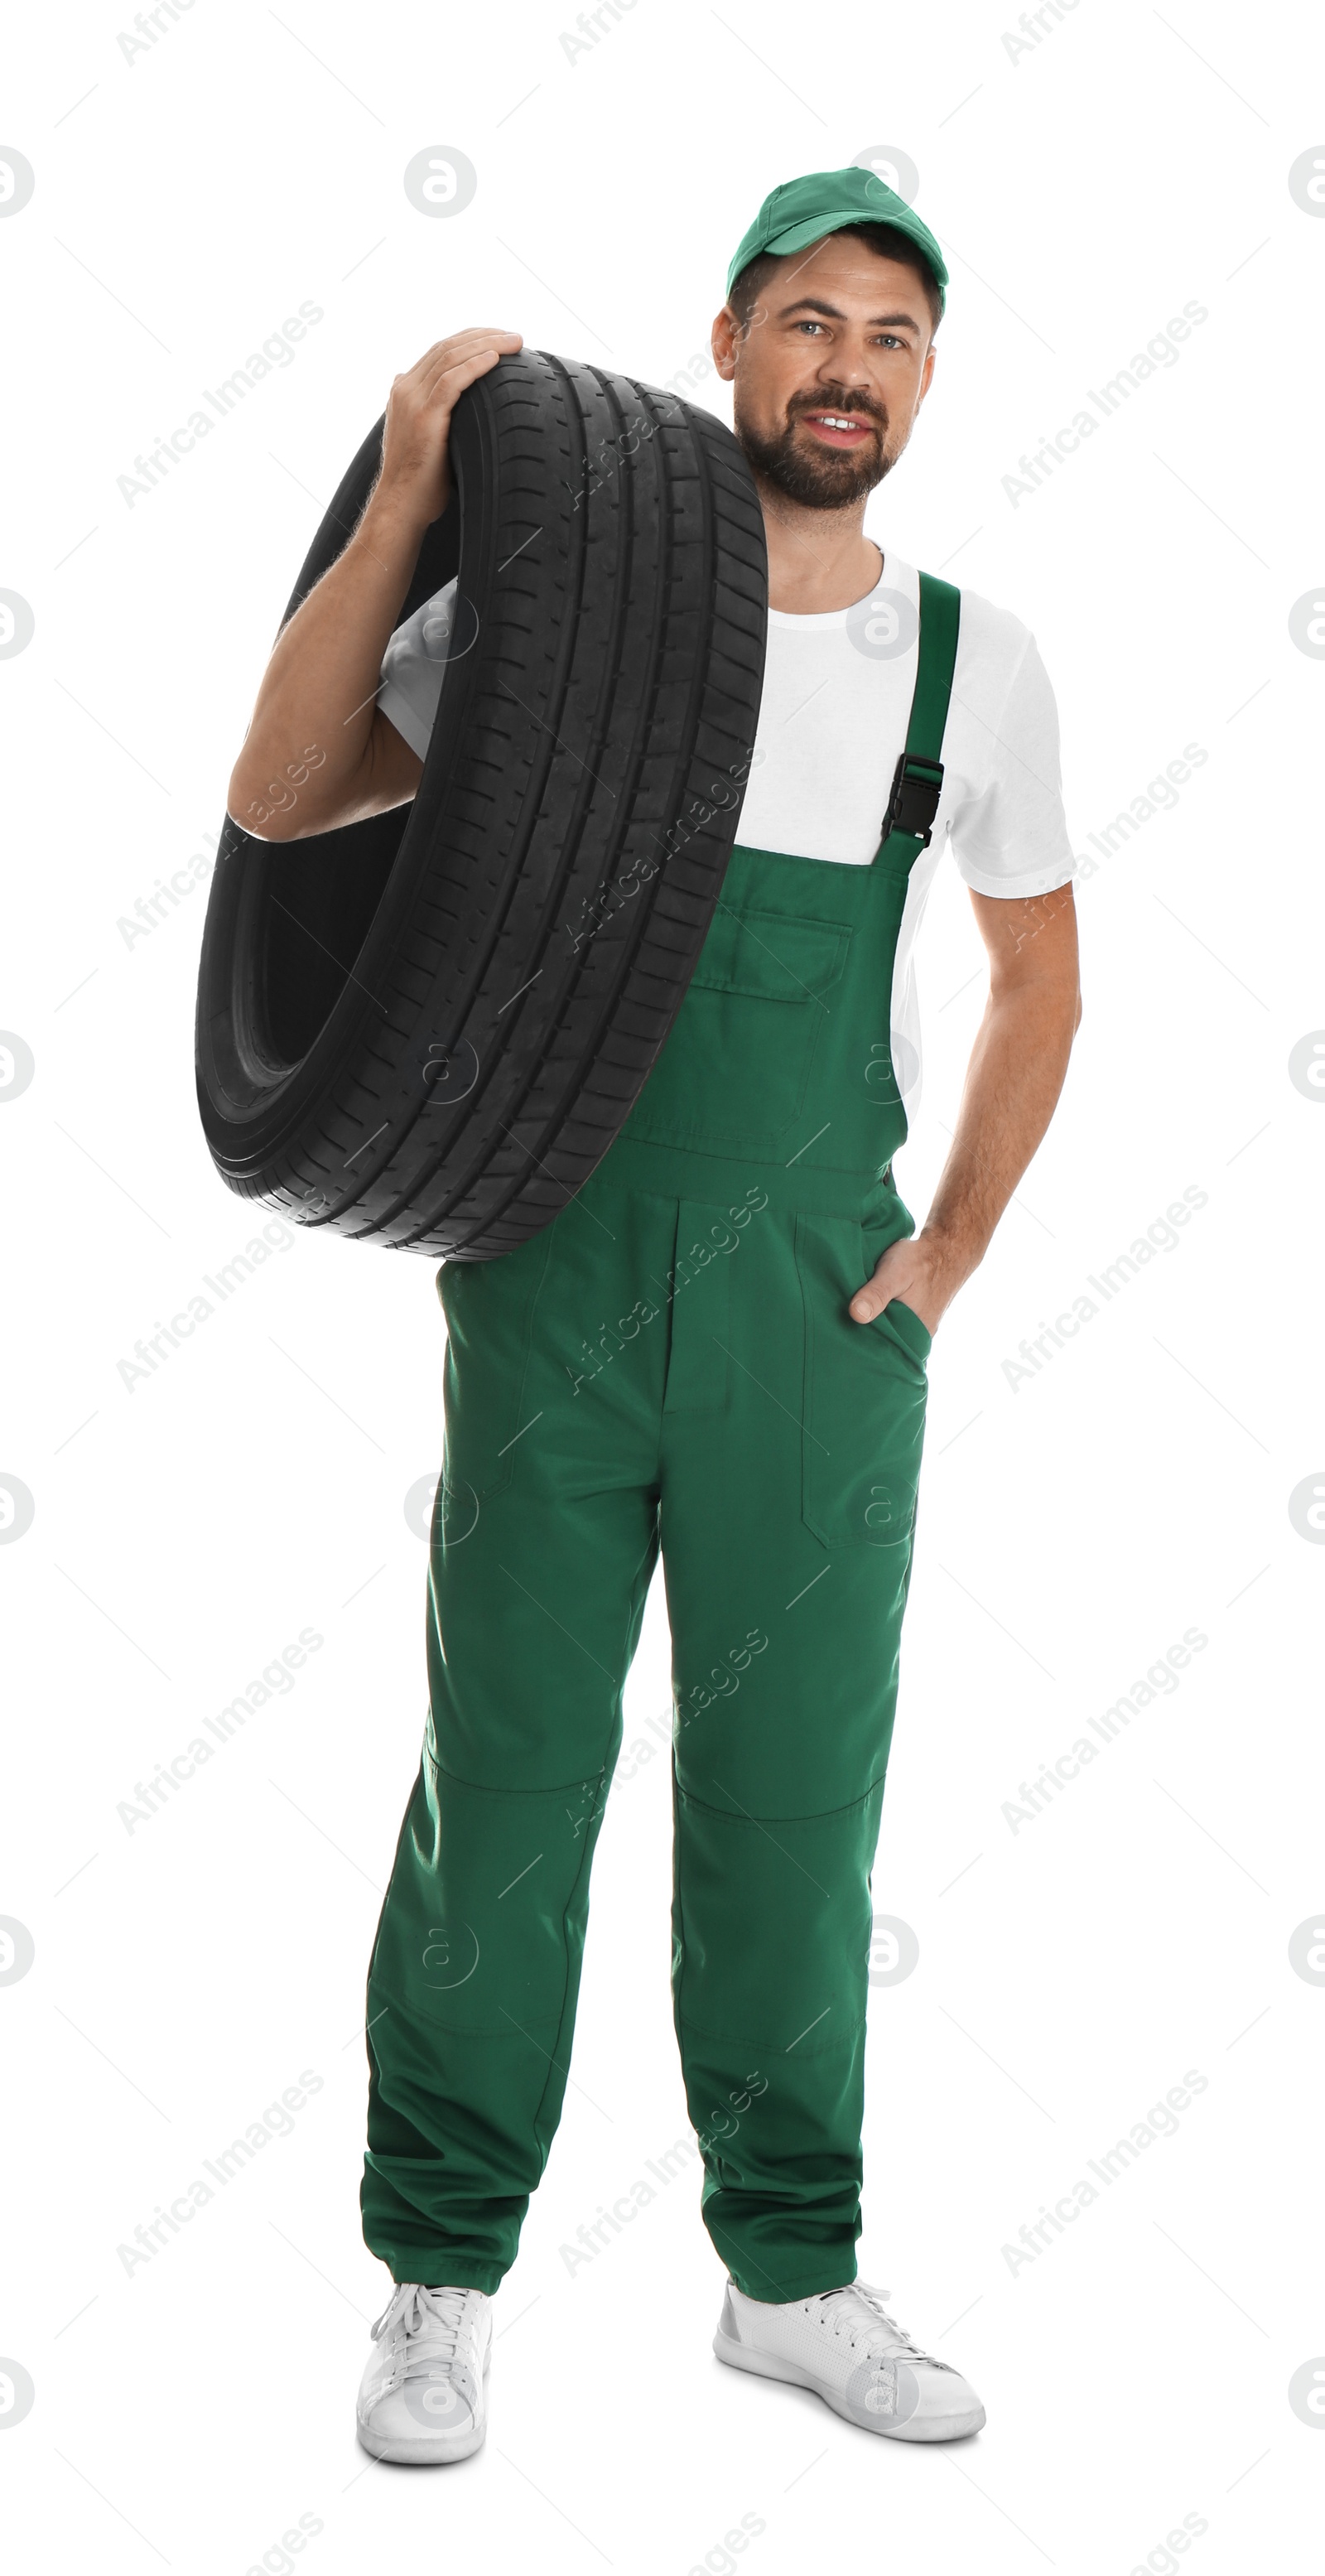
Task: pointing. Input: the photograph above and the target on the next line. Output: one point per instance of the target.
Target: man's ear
(724, 340)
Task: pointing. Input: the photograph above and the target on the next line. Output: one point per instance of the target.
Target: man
(717, 1350)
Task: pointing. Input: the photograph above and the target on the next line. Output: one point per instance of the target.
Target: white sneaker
(424, 2393)
(845, 2347)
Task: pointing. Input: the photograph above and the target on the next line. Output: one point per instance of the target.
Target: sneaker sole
(425, 2450)
(764, 2365)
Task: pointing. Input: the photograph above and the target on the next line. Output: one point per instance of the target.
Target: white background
(1070, 1972)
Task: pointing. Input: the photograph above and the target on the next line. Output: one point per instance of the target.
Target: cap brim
(800, 236)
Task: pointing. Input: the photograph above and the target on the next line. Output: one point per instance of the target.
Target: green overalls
(671, 1364)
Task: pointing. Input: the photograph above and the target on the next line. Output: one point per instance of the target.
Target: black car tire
(426, 1029)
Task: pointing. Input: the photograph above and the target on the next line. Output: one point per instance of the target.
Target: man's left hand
(919, 1272)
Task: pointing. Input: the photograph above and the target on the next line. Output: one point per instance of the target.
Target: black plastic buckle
(917, 786)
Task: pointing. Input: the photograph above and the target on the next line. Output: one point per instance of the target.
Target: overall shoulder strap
(918, 780)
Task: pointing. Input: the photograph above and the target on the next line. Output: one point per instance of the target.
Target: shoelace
(872, 2300)
(431, 2322)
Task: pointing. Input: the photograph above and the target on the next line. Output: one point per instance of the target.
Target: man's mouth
(844, 429)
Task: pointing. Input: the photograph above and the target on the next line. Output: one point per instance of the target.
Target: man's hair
(884, 239)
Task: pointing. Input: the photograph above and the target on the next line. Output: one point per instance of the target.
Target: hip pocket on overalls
(864, 1394)
(489, 1308)
(736, 1064)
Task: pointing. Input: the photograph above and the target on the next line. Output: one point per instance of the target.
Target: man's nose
(847, 368)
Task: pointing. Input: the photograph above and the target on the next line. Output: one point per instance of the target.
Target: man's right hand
(319, 751)
(415, 472)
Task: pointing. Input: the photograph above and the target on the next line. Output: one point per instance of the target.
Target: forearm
(1013, 1081)
(315, 708)
(1012, 1084)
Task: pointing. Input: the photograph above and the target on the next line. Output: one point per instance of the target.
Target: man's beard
(819, 478)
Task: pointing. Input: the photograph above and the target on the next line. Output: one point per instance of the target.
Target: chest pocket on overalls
(736, 1065)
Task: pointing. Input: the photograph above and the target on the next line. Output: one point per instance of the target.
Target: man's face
(830, 372)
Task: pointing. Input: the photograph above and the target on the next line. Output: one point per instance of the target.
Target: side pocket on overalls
(489, 1308)
(865, 1390)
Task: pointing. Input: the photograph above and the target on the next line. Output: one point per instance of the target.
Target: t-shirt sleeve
(412, 668)
(1011, 838)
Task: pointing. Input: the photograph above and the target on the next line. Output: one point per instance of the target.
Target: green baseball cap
(803, 210)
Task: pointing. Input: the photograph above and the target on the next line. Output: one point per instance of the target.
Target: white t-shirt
(832, 722)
